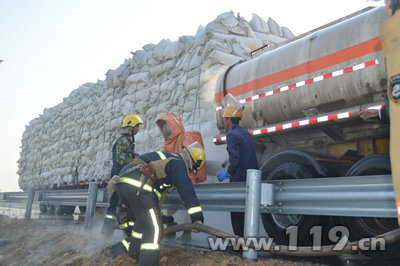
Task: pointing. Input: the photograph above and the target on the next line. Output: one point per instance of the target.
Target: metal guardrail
(77, 197)
(14, 196)
(72, 197)
(91, 198)
(363, 196)
(213, 197)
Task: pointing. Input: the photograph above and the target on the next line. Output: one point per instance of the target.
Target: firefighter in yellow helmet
(141, 186)
(241, 151)
(123, 152)
(390, 37)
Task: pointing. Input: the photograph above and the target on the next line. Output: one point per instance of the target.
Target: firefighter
(390, 37)
(126, 224)
(142, 186)
(175, 137)
(242, 153)
(123, 152)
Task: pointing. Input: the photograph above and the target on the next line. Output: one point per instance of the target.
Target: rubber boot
(108, 227)
(115, 250)
(134, 247)
(149, 257)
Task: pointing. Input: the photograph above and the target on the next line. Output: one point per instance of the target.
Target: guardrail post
(252, 211)
(91, 205)
(29, 202)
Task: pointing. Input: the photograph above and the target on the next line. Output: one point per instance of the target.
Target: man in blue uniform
(141, 186)
(242, 153)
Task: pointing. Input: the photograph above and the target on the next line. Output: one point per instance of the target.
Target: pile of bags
(71, 142)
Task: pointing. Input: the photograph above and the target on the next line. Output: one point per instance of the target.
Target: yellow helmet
(197, 155)
(131, 120)
(232, 107)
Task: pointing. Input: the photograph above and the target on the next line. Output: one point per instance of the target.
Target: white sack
(270, 38)
(252, 43)
(258, 24)
(138, 77)
(274, 27)
(287, 33)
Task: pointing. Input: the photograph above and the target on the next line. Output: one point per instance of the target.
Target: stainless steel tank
(330, 69)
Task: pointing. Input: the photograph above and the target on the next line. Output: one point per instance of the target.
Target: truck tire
(276, 224)
(366, 226)
(360, 227)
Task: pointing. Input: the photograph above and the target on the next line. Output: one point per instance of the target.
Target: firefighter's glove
(167, 219)
(395, 86)
(112, 185)
(222, 176)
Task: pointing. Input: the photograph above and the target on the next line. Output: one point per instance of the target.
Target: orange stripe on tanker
(344, 55)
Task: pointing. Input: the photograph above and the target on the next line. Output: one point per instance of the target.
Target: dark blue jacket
(242, 153)
(384, 112)
(172, 170)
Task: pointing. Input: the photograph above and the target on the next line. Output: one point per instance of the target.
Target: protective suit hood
(172, 129)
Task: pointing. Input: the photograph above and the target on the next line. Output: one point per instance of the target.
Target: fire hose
(304, 251)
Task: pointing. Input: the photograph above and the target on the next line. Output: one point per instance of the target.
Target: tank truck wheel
(360, 227)
(276, 224)
(65, 210)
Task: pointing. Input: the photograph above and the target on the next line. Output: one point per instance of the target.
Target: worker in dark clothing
(123, 152)
(126, 224)
(141, 187)
(241, 151)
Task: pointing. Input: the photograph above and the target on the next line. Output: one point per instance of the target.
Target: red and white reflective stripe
(293, 124)
(377, 107)
(308, 81)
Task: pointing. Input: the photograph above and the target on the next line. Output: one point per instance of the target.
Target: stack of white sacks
(72, 142)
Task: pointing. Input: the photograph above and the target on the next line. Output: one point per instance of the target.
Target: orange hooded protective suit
(175, 137)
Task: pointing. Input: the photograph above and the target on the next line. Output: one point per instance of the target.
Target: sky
(51, 47)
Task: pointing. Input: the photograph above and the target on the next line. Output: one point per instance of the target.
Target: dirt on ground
(36, 242)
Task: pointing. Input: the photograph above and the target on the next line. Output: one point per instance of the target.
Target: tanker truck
(302, 101)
